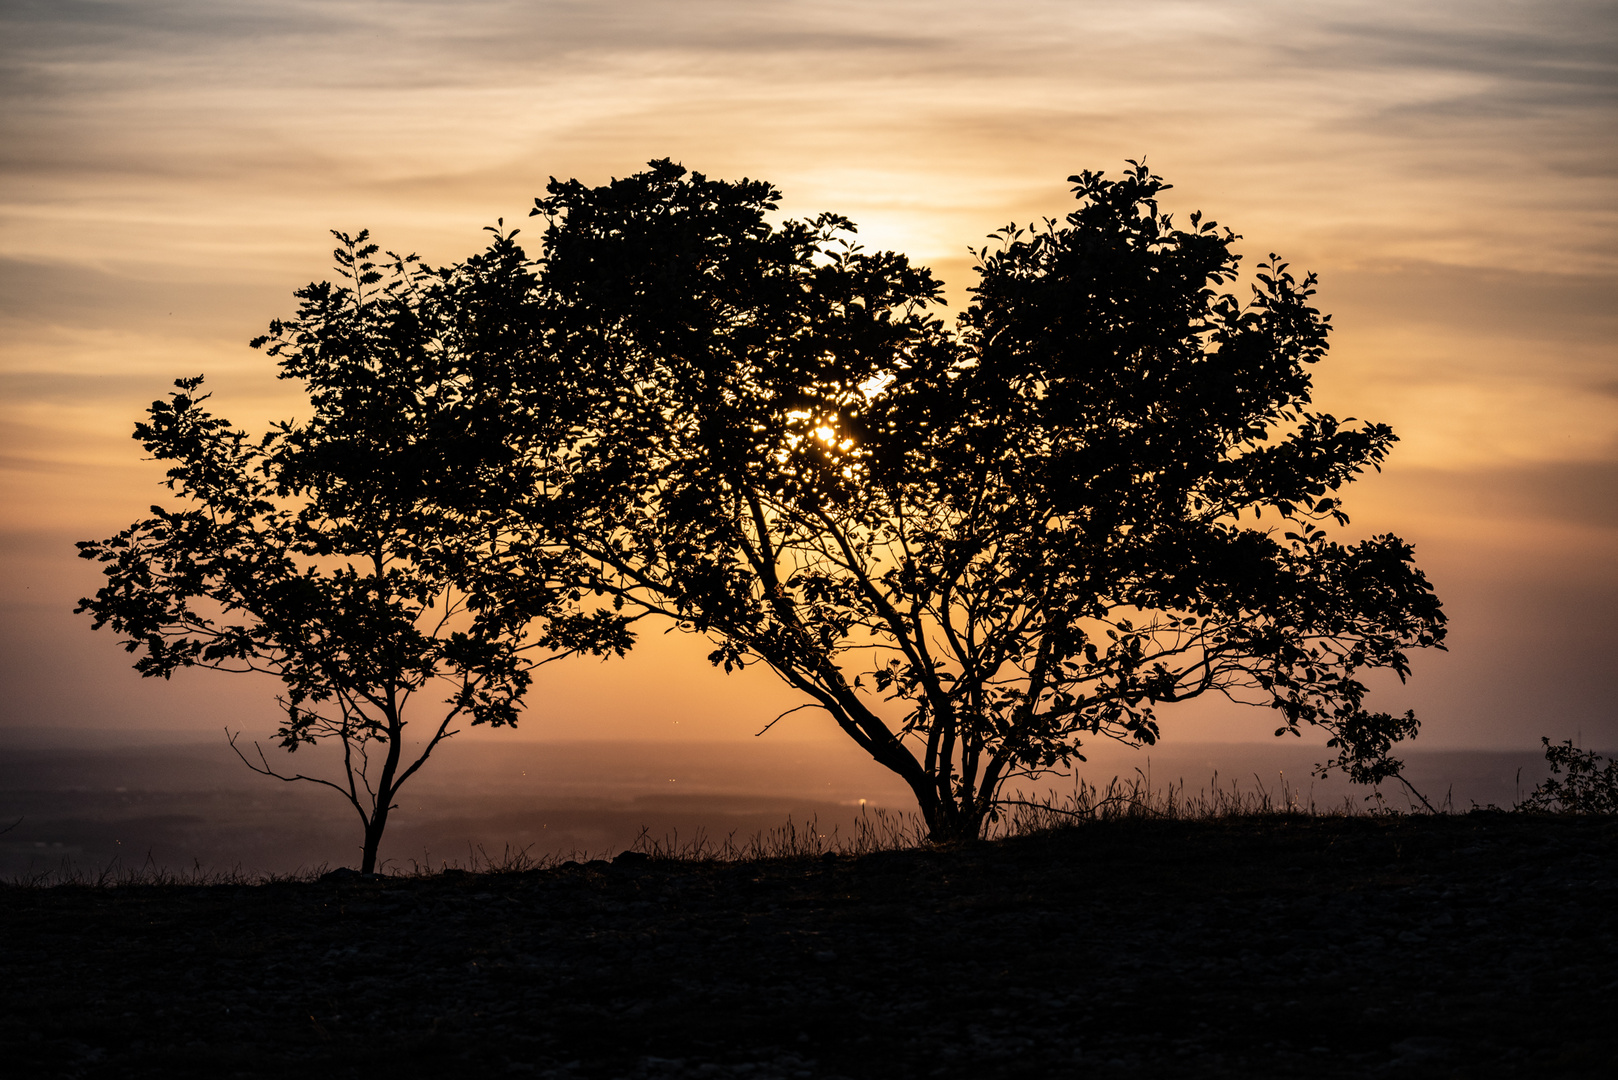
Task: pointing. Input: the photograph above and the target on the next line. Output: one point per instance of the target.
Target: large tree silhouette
(1105, 491)
(366, 557)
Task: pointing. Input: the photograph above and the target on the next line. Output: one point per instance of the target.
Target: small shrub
(1588, 787)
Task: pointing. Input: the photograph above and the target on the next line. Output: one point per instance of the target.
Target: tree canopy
(974, 547)
(363, 556)
(1106, 490)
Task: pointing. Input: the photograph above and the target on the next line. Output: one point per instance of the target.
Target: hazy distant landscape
(92, 800)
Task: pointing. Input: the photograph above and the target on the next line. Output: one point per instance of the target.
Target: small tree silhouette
(366, 556)
(1105, 492)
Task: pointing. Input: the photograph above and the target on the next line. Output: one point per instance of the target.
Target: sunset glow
(171, 171)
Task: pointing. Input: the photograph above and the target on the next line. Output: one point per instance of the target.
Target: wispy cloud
(1448, 167)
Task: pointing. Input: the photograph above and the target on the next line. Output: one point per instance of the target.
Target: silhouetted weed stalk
(877, 829)
(1136, 799)
(150, 874)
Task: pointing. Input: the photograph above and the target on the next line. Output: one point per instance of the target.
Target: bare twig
(1412, 789)
(789, 712)
(266, 769)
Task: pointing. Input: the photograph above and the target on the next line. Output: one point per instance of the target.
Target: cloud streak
(1447, 167)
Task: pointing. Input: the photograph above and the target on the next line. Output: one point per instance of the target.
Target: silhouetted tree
(1105, 492)
(366, 556)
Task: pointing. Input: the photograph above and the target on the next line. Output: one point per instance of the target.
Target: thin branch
(1399, 776)
(789, 712)
(265, 769)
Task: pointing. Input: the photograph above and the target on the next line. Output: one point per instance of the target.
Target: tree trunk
(373, 836)
(955, 829)
(947, 821)
(386, 789)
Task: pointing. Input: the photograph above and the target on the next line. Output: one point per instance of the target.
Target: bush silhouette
(1586, 786)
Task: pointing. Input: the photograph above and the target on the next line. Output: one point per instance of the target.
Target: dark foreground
(1475, 946)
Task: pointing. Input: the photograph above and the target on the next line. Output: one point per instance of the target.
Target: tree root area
(1482, 945)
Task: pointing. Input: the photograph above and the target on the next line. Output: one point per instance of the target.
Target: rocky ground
(1471, 946)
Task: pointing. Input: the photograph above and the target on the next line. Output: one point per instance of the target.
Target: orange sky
(168, 172)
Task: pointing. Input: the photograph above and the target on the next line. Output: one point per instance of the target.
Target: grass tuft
(875, 830)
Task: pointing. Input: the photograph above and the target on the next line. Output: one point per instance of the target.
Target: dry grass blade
(874, 830)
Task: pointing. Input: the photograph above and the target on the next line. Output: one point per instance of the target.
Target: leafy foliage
(364, 556)
(975, 549)
(1588, 787)
(972, 550)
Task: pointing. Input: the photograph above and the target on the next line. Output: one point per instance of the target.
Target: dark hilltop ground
(1480, 945)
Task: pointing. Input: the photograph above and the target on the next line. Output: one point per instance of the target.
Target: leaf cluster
(974, 547)
(1106, 489)
(367, 552)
